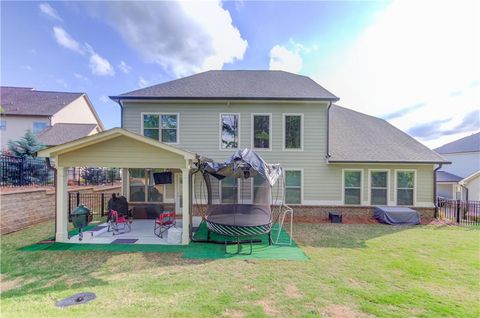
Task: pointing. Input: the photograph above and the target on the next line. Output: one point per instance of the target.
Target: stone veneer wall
(350, 214)
(23, 208)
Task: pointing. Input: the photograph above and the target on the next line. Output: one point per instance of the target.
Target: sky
(413, 63)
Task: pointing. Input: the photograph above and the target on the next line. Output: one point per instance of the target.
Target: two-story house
(334, 158)
(461, 179)
(55, 117)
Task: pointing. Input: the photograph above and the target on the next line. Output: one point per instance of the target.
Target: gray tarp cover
(244, 163)
(396, 215)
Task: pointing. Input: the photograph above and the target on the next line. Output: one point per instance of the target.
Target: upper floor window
(229, 131)
(352, 186)
(3, 125)
(293, 131)
(38, 127)
(261, 131)
(405, 187)
(161, 127)
(378, 187)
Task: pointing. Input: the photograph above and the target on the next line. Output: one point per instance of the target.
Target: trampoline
(239, 196)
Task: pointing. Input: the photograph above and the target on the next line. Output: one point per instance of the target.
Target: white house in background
(461, 179)
(55, 117)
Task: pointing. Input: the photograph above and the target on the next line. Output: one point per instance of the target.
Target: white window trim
(220, 194)
(159, 123)
(145, 189)
(414, 185)
(370, 184)
(301, 187)
(361, 186)
(302, 141)
(220, 131)
(269, 131)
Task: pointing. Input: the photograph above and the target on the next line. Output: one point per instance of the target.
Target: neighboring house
(461, 179)
(335, 159)
(55, 117)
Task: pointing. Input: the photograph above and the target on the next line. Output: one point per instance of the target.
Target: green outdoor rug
(194, 250)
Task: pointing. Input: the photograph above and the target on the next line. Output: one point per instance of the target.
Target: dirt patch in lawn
(340, 311)
(232, 313)
(268, 308)
(9, 284)
(292, 291)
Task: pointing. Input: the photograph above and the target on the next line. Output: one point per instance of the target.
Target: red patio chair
(163, 222)
(117, 220)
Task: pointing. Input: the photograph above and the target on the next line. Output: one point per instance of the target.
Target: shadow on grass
(342, 235)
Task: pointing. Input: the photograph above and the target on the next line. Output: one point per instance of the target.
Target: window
(293, 186)
(352, 181)
(3, 125)
(261, 127)
(38, 127)
(261, 190)
(405, 187)
(142, 186)
(161, 127)
(293, 131)
(378, 187)
(229, 190)
(229, 131)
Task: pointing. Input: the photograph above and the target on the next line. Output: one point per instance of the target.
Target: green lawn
(353, 271)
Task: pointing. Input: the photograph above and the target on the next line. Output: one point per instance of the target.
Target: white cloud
(80, 76)
(100, 66)
(64, 39)
(142, 82)
(124, 67)
(104, 99)
(283, 59)
(47, 9)
(413, 52)
(62, 82)
(182, 37)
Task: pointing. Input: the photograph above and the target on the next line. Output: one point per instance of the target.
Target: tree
(26, 146)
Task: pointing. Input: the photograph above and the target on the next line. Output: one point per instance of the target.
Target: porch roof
(120, 148)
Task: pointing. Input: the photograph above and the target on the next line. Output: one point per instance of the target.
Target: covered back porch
(138, 157)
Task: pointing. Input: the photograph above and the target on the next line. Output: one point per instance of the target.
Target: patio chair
(119, 222)
(163, 222)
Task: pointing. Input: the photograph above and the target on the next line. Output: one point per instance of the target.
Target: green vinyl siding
(199, 132)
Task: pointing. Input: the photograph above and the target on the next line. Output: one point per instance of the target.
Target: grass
(353, 271)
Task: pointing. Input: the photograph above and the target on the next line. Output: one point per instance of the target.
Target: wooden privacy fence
(458, 211)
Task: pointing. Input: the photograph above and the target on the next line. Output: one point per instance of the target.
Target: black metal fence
(96, 202)
(461, 212)
(19, 171)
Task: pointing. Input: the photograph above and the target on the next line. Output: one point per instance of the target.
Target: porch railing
(458, 211)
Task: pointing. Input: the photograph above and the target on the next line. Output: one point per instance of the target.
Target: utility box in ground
(335, 217)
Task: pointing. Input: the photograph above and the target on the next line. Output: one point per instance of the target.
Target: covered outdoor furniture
(396, 215)
(163, 222)
(119, 215)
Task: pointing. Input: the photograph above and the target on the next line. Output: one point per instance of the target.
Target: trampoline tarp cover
(396, 215)
(244, 163)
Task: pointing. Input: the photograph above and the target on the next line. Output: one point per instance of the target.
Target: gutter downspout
(435, 188)
(328, 131)
(119, 102)
(50, 167)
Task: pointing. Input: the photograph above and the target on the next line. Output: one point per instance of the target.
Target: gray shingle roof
(357, 137)
(443, 176)
(467, 144)
(61, 133)
(244, 84)
(27, 101)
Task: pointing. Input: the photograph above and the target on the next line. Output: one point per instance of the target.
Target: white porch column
(185, 207)
(62, 205)
(125, 189)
